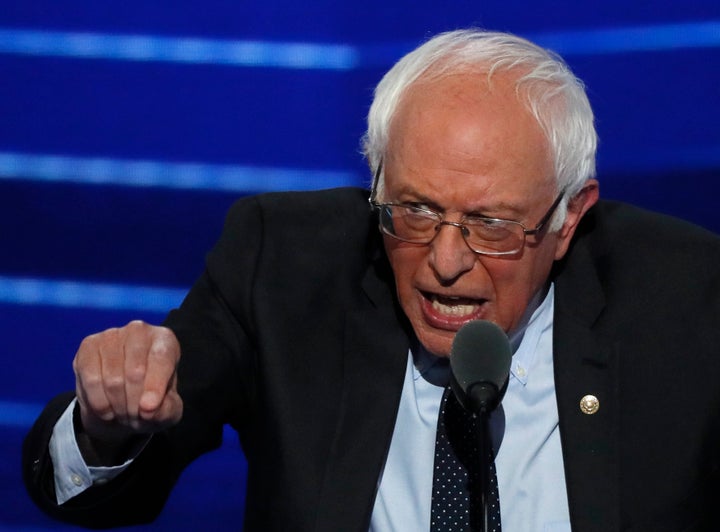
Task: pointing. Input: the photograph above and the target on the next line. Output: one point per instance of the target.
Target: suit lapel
(375, 357)
(586, 365)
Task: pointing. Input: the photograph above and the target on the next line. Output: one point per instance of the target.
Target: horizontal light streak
(325, 56)
(89, 295)
(156, 173)
(252, 179)
(31, 528)
(632, 39)
(236, 53)
(18, 413)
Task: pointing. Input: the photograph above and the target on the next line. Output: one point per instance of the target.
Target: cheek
(510, 281)
(515, 284)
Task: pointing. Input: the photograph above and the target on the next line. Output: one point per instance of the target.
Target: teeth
(453, 309)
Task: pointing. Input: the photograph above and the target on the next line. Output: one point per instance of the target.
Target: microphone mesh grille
(480, 352)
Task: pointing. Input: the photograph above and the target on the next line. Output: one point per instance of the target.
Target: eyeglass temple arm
(373, 191)
(545, 219)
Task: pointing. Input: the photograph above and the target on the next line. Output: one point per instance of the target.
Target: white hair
(551, 91)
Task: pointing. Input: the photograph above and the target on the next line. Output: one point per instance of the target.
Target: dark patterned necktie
(456, 499)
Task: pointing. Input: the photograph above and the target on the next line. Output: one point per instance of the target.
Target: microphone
(480, 365)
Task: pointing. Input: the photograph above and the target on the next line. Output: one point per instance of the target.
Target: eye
(417, 207)
(420, 211)
(416, 216)
(490, 229)
(482, 222)
(494, 223)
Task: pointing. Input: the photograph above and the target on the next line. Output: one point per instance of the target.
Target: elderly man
(324, 341)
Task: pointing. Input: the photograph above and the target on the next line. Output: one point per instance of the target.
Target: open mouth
(451, 310)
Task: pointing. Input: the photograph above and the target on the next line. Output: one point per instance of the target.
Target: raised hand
(126, 382)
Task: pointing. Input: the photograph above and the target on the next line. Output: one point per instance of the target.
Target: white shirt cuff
(72, 474)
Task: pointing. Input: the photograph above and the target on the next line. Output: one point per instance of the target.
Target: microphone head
(480, 364)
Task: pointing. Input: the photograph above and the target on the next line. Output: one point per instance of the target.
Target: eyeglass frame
(460, 225)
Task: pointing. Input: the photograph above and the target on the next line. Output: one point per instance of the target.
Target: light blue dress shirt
(531, 477)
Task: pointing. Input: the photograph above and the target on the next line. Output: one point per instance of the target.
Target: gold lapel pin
(589, 405)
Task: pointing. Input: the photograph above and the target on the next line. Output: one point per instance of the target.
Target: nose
(450, 256)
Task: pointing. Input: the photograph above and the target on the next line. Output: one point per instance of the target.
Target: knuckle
(108, 335)
(94, 341)
(136, 325)
(90, 380)
(161, 349)
(114, 383)
(88, 347)
(106, 414)
(88, 342)
(135, 373)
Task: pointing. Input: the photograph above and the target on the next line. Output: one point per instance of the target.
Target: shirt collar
(524, 340)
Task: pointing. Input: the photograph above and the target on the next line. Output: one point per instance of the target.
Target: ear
(577, 207)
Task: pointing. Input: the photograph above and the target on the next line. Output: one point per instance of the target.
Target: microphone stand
(485, 448)
(484, 397)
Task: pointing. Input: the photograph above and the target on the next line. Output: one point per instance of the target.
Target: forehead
(467, 136)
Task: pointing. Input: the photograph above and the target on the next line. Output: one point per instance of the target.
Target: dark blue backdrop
(128, 128)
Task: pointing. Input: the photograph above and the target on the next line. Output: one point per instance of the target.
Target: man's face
(460, 147)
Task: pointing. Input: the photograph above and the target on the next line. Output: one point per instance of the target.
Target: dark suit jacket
(294, 336)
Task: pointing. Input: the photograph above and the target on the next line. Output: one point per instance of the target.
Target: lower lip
(445, 321)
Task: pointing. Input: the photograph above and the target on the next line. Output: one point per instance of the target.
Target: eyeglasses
(418, 224)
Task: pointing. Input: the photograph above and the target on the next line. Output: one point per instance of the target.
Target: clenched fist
(126, 382)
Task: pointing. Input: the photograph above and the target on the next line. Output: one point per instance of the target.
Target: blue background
(128, 128)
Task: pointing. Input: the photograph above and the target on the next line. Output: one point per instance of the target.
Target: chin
(436, 342)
